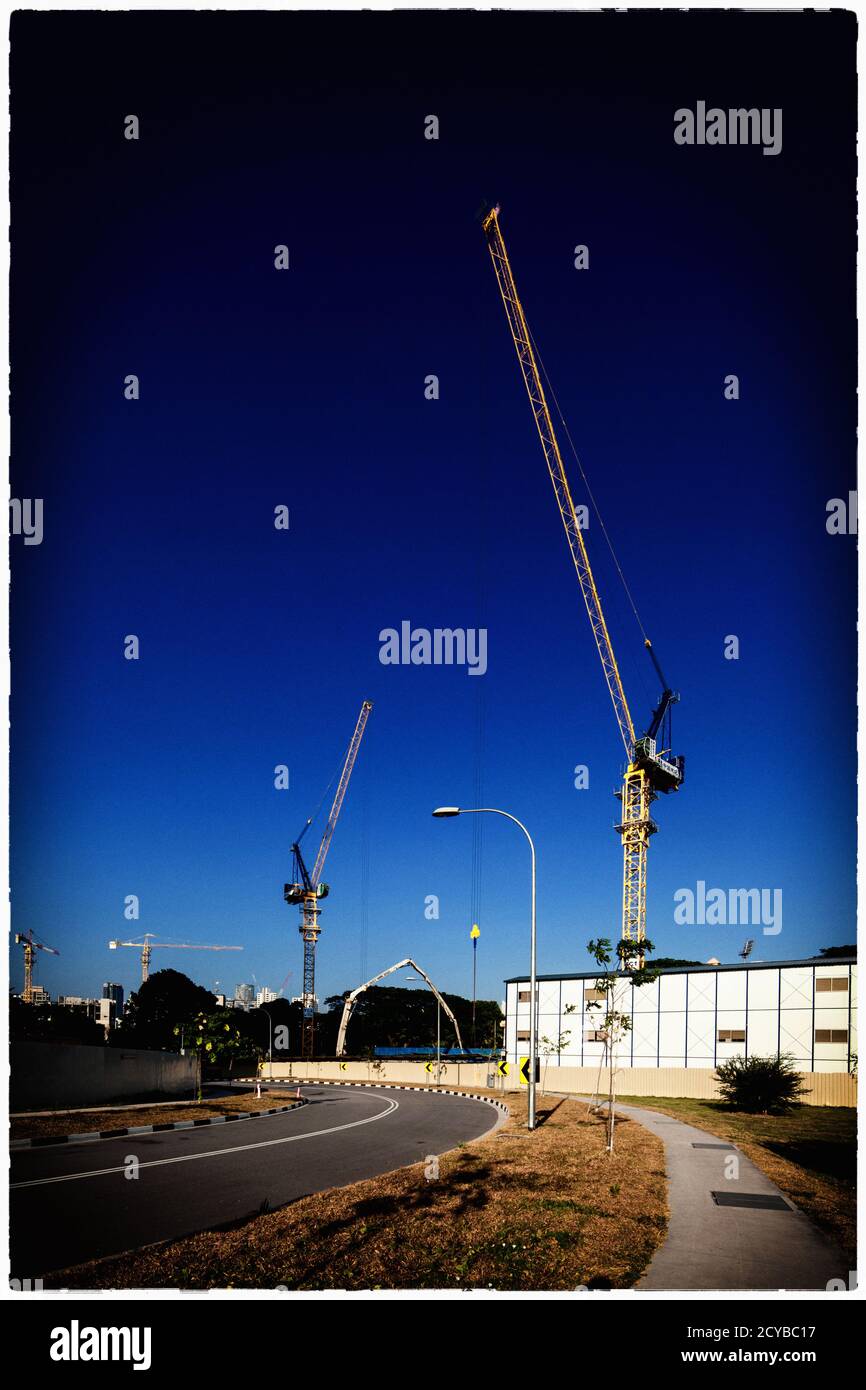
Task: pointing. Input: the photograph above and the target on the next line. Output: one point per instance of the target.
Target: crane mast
(308, 889)
(647, 772)
(31, 945)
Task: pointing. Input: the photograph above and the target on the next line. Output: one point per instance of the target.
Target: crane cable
(587, 486)
(314, 817)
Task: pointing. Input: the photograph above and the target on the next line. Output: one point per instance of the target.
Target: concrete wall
(57, 1076)
(825, 1088)
(410, 1073)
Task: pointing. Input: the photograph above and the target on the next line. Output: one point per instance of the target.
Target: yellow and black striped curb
(40, 1143)
(388, 1086)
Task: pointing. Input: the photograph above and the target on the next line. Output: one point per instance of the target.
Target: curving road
(74, 1202)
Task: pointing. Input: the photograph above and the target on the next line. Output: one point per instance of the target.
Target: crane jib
(649, 771)
(550, 445)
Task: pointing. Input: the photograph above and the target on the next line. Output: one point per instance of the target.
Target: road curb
(391, 1086)
(41, 1143)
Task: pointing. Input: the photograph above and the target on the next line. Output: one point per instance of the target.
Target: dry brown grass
(811, 1154)
(88, 1121)
(515, 1211)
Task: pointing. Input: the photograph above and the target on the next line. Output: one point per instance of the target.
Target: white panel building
(698, 1016)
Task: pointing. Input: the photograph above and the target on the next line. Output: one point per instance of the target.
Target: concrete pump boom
(351, 999)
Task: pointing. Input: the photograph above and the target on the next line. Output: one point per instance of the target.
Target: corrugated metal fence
(825, 1088)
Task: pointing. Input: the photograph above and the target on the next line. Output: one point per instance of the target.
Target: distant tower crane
(648, 771)
(149, 941)
(30, 945)
(308, 889)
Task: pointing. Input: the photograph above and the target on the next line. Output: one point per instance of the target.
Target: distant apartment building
(244, 995)
(115, 994)
(106, 1014)
(265, 996)
(39, 995)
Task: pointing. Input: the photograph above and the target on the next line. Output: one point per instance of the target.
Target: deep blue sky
(306, 388)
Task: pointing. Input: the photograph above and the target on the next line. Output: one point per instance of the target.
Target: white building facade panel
(698, 1017)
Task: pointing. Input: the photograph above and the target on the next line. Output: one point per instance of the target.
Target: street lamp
(414, 980)
(443, 812)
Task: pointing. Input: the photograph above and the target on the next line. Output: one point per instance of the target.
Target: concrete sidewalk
(711, 1246)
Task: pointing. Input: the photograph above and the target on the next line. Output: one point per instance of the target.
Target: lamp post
(474, 934)
(446, 811)
(438, 1042)
(414, 980)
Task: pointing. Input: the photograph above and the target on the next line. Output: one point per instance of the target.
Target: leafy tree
(218, 1038)
(554, 1047)
(831, 952)
(167, 998)
(284, 1032)
(761, 1085)
(667, 962)
(53, 1023)
(387, 1016)
(621, 970)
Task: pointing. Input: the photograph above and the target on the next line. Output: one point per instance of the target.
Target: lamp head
(447, 811)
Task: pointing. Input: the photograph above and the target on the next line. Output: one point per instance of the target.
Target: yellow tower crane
(308, 890)
(30, 945)
(149, 941)
(648, 771)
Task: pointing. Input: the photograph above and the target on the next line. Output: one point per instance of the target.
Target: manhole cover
(749, 1199)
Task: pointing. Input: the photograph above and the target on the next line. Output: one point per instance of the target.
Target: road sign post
(528, 1073)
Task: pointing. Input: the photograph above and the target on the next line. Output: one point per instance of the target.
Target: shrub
(760, 1085)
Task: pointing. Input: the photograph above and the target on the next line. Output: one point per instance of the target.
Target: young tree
(620, 971)
(218, 1039)
(551, 1048)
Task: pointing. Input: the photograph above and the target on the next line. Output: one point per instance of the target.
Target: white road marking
(216, 1153)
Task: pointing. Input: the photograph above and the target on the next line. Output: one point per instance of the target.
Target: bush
(761, 1085)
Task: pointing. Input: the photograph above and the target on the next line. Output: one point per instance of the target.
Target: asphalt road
(73, 1202)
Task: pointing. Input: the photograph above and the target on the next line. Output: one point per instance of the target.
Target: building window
(831, 1035)
(825, 984)
(524, 1036)
(595, 1035)
(593, 995)
(732, 1035)
(523, 996)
